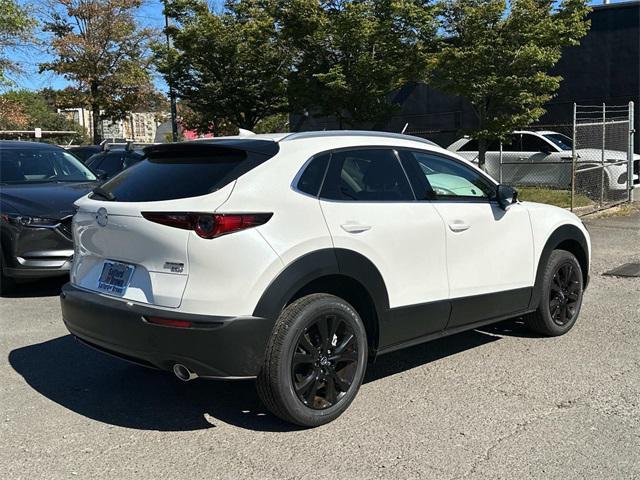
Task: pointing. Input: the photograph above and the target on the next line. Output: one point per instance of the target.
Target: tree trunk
(482, 153)
(95, 113)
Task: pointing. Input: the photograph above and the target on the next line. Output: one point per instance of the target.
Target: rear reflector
(209, 225)
(169, 322)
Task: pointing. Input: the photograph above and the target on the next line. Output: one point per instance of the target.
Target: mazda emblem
(101, 217)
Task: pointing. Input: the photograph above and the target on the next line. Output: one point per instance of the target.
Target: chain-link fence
(586, 165)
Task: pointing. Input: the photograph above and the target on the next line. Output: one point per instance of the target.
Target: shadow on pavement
(115, 392)
(45, 287)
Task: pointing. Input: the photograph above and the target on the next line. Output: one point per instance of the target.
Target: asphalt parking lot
(497, 403)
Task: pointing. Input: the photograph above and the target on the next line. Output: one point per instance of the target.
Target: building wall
(139, 127)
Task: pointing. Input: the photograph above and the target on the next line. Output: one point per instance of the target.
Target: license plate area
(115, 277)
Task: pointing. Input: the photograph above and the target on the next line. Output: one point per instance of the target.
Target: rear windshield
(181, 172)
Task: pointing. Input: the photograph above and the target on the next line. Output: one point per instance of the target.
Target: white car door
(489, 249)
(542, 163)
(370, 208)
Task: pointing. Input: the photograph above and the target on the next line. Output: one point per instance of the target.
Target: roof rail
(355, 133)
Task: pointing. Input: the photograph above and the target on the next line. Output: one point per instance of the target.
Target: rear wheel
(315, 361)
(561, 298)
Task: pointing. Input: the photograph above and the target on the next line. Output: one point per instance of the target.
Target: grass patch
(560, 198)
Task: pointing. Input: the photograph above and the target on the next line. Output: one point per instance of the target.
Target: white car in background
(544, 159)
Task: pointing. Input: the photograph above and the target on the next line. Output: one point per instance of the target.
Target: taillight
(209, 225)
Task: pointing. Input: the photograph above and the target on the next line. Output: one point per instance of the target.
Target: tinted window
(561, 141)
(83, 153)
(311, 178)
(470, 146)
(366, 175)
(27, 165)
(532, 143)
(112, 163)
(473, 146)
(512, 143)
(181, 171)
(448, 178)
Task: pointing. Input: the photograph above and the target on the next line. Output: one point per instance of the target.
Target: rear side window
(312, 177)
(112, 164)
(366, 175)
(181, 171)
(473, 146)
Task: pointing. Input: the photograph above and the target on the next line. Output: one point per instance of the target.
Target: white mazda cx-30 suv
(296, 258)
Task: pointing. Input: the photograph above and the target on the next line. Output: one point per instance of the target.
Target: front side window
(366, 175)
(561, 141)
(447, 178)
(26, 165)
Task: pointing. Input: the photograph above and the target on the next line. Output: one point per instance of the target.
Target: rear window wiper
(101, 192)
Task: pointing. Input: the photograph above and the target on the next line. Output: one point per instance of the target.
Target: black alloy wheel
(315, 360)
(325, 361)
(561, 293)
(565, 293)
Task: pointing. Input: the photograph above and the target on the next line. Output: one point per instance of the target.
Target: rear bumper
(218, 347)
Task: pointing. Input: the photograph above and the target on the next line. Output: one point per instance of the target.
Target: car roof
(245, 141)
(16, 144)
(84, 147)
(537, 132)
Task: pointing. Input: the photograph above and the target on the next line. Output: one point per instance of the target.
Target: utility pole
(172, 95)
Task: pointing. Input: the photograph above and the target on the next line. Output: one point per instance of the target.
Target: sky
(150, 15)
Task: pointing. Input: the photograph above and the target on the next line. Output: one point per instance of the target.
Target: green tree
(27, 110)
(99, 47)
(227, 68)
(352, 54)
(499, 59)
(16, 27)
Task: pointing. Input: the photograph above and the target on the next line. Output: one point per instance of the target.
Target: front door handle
(355, 227)
(459, 227)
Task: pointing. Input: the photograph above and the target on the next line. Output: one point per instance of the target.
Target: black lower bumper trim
(220, 347)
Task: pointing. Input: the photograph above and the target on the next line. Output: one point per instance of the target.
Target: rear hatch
(118, 252)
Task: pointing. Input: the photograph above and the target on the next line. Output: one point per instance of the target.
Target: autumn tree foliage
(99, 47)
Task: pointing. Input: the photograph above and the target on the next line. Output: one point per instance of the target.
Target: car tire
(310, 376)
(561, 296)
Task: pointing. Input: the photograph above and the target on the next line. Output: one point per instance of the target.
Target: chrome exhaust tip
(183, 373)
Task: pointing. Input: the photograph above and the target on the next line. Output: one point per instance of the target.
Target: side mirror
(101, 174)
(506, 196)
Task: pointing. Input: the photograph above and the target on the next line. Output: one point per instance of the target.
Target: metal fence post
(573, 157)
(500, 166)
(604, 136)
(630, 152)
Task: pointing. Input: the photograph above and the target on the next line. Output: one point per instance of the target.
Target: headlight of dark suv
(27, 221)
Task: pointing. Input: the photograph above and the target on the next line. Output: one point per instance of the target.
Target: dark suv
(38, 185)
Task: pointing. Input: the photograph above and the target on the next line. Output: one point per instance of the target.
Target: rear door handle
(355, 227)
(459, 227)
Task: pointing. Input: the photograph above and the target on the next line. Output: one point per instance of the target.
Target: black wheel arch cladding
(565, 237)
(329, 264)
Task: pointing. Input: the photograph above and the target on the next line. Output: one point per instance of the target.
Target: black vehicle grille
(65, 228)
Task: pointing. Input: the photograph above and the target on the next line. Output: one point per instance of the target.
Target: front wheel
(315, 361)
(561, 296)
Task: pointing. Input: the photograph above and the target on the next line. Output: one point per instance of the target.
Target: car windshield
(561, 141)
(39, 165)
